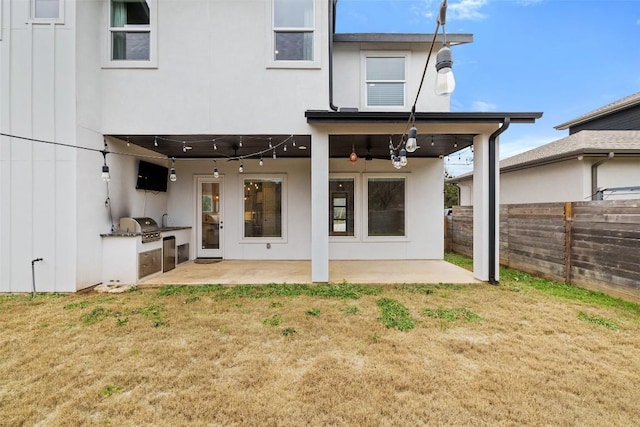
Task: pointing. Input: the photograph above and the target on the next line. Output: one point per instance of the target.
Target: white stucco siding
(466, 193)
(213, 75)
(423, 205)
(348, 75)
(567, 181)
(556, 182)
(37, 181)
(620, 172)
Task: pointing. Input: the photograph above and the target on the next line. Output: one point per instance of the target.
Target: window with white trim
(130, 30)
(263, 207)
(342, 206)
(47, 10)
(293, 30)
(385, 81)
(386, 213)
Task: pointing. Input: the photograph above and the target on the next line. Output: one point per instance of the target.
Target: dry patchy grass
(476, 355)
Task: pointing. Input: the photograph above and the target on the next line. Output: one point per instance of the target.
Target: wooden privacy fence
(595, 245)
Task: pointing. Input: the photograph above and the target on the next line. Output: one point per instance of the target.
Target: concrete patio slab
(229, 272)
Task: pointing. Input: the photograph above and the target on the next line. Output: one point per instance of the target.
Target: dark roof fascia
(453, 39)
(323, 116)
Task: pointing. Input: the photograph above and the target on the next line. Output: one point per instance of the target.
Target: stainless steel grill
(147, 227)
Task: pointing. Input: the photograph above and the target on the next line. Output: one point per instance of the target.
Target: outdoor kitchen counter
(133, 234)
(126, 256)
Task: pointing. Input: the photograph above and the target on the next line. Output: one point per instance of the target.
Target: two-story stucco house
(272, 135)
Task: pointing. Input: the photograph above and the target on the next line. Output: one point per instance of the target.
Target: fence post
(568, 221)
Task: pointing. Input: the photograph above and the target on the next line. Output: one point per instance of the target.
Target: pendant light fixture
(353, 157)
(172, 175)
(106, 176)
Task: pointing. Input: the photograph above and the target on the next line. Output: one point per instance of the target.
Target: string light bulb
(396, 162)
(274, 154)
(241, 168)
(240, 143)
(106, 176)
(172, 175)
(293, 142)
(403, 157)
(128, 143)
(353, 157)
(445, 82)
(412, 141)
(155, 141)
(261, 161)
(216, 174)
(270, 144)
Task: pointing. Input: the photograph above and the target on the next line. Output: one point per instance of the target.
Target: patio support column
(319, 210)
(481, 206)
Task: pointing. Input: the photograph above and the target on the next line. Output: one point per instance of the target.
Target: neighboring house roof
(614, 107)
(584, 143)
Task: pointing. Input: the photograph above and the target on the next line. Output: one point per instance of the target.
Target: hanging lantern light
(353, 157)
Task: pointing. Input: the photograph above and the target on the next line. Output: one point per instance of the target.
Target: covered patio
(232, 272)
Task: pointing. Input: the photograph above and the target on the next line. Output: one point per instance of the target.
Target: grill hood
(138, 225)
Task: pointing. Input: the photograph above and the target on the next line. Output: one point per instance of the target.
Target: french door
(209, 218)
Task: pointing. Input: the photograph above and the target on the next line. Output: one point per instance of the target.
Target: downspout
(331, 30)
(594, 175)
(492, 199)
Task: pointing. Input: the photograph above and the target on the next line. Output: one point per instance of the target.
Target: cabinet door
(149, 262)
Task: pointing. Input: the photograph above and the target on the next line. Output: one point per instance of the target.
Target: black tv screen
(152, 177)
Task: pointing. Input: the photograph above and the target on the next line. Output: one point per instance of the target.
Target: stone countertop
(163, 229)
(134, 234)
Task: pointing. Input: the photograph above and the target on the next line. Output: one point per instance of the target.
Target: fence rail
(595, 245)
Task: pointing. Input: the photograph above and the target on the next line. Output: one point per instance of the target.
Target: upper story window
(47, 10)
(385, 80)
(294, 31)
(130, 27)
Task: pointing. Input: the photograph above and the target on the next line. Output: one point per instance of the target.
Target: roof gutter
(594, 175)
(492, 199)
(332, 4)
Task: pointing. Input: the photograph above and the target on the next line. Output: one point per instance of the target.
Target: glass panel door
(210, 222)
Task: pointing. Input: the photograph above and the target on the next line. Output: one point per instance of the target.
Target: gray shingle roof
(586, 142)
(618, 105)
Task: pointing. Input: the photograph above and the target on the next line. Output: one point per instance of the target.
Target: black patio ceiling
(202, 146)
(299, 146)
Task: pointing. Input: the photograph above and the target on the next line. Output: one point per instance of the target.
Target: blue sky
(561, 57)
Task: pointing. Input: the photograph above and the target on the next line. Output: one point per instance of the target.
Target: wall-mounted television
(152, 177)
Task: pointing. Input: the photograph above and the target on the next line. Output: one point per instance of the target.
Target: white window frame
(284, 206)
(315, 63)
(365, 208)
(36, 20)
(356, 207)
(363, 67)
(152, 29)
